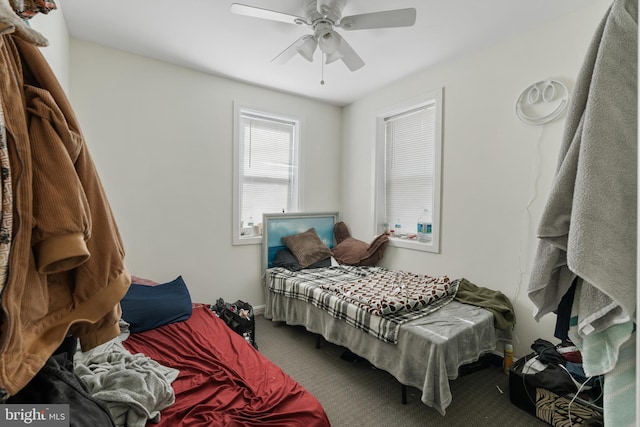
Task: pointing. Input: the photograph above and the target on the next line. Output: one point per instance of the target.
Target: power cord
(527, 213)
(532, 399)
(574, 396)
(580, 386)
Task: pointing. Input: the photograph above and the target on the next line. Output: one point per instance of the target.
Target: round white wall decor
(542, 102)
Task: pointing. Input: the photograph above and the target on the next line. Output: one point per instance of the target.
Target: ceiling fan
(323, 16)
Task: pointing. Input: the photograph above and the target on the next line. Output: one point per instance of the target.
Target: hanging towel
(589, 226)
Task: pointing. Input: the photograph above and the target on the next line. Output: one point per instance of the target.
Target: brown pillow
(352, 251)
(307, 247)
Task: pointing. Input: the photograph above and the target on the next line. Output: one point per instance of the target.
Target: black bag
(239, 317)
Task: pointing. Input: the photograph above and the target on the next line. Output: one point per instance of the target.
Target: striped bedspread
(309, 286)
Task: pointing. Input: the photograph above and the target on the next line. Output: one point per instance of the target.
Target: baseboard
(258, 309)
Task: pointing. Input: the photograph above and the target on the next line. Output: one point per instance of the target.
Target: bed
(424, 351)
(177, 364)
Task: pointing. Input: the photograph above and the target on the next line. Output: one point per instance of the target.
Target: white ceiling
(206, 36)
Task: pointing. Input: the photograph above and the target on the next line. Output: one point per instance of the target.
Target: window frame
(434, 97)
(239, 110)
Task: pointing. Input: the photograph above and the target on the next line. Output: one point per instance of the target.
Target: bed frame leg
(318, 340)
(404, 394)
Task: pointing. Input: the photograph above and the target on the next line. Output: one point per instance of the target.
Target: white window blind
(268, 167)
(409, 166)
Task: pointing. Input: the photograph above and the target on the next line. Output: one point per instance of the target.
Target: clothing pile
(550, 383)
(559, 369)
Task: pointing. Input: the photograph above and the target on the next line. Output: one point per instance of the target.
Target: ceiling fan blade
(272, 15)
(305, 46)
(385, 19)
(289, 52)
(349, 56)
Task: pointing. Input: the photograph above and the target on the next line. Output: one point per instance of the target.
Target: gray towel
(588, 228)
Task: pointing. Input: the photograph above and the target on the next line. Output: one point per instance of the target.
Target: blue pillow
(147, 307)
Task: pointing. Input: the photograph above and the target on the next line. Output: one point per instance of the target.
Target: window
(408, 165)
(266, 177)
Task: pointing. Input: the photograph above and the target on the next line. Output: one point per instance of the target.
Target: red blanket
(223, 380)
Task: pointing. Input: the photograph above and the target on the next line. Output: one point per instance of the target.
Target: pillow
(307, 247)
(352, 251)
(322, 263)
(142, 281)
(147, 307)
(284, 258)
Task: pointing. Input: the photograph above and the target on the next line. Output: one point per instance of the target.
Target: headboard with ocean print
(278, 225)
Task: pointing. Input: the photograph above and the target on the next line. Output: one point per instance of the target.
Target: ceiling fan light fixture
(308, 48)
(332, 57)
(329, 42)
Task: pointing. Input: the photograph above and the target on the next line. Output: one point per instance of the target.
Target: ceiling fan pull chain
(322, 68)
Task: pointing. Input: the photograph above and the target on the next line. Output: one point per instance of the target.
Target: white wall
(161, 137)
(497, 171)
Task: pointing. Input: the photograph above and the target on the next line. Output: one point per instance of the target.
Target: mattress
(223, 380)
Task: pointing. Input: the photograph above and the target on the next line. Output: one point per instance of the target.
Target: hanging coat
(66, 270)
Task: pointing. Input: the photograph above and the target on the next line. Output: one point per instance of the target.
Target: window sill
(414, 244)
(242, 240)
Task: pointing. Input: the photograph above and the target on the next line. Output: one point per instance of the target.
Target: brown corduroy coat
(66, 270)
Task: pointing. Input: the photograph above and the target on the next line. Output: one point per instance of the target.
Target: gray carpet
(356, 394)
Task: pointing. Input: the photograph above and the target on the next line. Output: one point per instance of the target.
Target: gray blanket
(134, 387)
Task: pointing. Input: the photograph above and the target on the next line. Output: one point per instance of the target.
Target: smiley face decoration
(542, 102)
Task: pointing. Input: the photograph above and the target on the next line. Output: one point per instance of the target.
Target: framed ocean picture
(277, 225)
